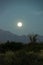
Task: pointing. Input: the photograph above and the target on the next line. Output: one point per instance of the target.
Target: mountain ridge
(6, 35)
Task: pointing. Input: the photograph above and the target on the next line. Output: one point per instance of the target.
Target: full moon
(19, 24)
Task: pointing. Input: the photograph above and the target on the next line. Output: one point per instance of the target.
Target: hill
(6, 35)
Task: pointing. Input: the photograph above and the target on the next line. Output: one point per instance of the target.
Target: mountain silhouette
(6, 35)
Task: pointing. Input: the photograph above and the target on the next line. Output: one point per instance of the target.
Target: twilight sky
(29, 12)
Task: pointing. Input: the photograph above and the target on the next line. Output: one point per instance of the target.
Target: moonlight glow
(19, 24)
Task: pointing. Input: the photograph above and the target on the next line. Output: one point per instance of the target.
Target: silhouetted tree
(33, 37)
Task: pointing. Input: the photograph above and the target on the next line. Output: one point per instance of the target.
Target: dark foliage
(12, 53)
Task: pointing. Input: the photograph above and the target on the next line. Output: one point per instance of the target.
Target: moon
(19, 24)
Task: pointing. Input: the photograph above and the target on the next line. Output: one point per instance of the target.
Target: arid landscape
(21, 32)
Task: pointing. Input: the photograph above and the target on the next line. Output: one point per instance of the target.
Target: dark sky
(29, 12)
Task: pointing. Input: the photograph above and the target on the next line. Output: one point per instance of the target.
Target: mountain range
(6, 35)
